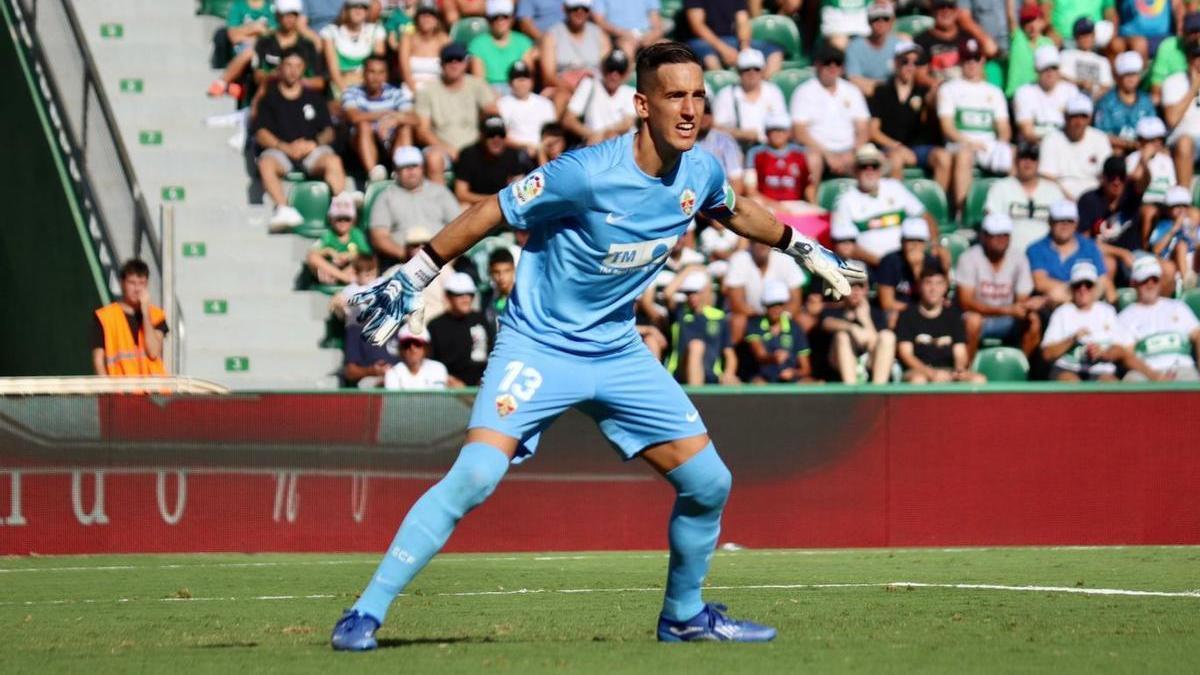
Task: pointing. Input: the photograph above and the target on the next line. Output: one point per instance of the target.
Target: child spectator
(777, 343)
(348, 44)
(930, 340)
(415, 372)
(461, 338)
(366, 271)
(702, 349)
(994, 287)
(502, 271)
(1173, 237)
(379, 114)
(859, 332)
(330, 257)
(496, 51)
(1152, 167)
(523, 111)
(779, 168)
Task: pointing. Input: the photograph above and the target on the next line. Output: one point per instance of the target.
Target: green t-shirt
(1020, 62)
(1169, 60)
(329, 244)
(241, 13)
(1066, 12)
(396, 22)
(496, 59)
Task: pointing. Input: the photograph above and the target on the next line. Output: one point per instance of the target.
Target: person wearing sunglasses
(869, 58)
(901, 116)
(330, 258)
(829, 117)
(1166, 331)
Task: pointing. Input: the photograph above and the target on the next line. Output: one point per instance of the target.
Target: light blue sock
(702, 485)
(430, 521)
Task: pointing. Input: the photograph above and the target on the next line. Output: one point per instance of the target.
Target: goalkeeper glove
(395, 297)
(820, 261)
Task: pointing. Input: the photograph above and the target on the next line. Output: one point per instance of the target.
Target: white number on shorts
(531, 380)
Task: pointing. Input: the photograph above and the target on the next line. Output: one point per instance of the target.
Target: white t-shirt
(1080, 67)
(1030, 213)
(1162, 332)
(1174, 89)
(432, 375)
(733, 110)
(974, 106)
(1162, 175)
(830, 117)
(1043, 108)
(525, 119)
(743, 273)
(598, 110)
(1103, 329)
(713, 240)
(1076, 165)
(354, 48)
(874, 221)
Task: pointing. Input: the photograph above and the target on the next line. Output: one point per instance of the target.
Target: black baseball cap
(453, 52)
(615, 62)
(1083, 26)
(827, 53)
(519, 69)
(1029, 150)
(493, 126)
(1114, 167)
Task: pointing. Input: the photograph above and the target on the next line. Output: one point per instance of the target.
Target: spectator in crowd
(1171, 56)
(602, 108)
(974, 121)
(412, 202)
(1181, 110)
(722, 146)
(830, 118)
(1020, 58)
(930, 341)
(290, 33)
(554, 144)
(1119, 110)
(1165, 332)
(841, 21)
(1150, 165)
(872, 210)
(1142, 26)
(366, 271)
(1052, 258)
(994, 287)
(502, 272)
(720, 29)
(247, 21)
(524, 112)
(572, 50)
(702, 348)
(943, 45)
(415, 371)
(869, 58)
(777, 343)
(779, 167)
(379, 114)
(859, 330)
(454, 10)
(1039, 106)
(535, 17)
(364, 364)
(1110, 214)
(1084, 340)
(462, 337)
(749, 271)
(1082, 66)
(293, 129)
(901, 118)
(496, 51)
(127, 340)
(632, 24)
(742, 110)
(1025, 197)
(898, 276)
(420, 49)
(449, 112)
(484, 168)
(331, 256)
(1175, 236)
(1074, 155)
(348, 44)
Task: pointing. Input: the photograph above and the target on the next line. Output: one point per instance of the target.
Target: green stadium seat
(1192, 299)
(934, 200)
(465, 29)
(1125, 298)
(830, 189)
(955, 242)
(914, 24)
(311, 198)
(1002, 364)
(780, 31)
(295, 176)
(719, 79)
(373, 190)
(789, 78)
(1196, 191)
(972, 213)
(913, 172)
(218, 8)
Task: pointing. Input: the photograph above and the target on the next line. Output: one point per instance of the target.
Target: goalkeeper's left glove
(820, 261)
(395, 297)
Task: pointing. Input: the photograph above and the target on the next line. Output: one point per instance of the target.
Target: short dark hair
(292, 51)
(500, 256)
(364, 262)
(933, 270)
(375, 57)
(661, 54)
(553, 129)
(135, 267)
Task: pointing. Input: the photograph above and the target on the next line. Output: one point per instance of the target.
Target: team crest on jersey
(505, 405)
(527, 190)
(687, 202)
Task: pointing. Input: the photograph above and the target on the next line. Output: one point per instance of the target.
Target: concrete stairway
(244, 326)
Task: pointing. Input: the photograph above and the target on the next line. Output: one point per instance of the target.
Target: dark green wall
(47, 290)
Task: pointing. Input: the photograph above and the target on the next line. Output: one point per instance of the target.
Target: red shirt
(782, 174)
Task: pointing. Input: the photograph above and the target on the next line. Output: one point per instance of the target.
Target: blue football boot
(712, 624)
(354, 632)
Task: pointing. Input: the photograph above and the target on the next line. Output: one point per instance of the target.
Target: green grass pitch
(836, 610)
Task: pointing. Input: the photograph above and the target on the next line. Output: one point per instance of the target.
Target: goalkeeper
(601, 220)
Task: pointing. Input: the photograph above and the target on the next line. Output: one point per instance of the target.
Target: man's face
(945, 17)
(411, 177)
(1083, 294)
(132, 287)
(972, 69)
(751, 78)
(906, 68)
(356, 15)
(914, 250)
(881, 26)
(1062, 231)
(828, 73)
(774, 312)
(494, 144)
(1027, 168)
(374, 75)
(500, 25)
(1047, 78)
(996, 245)
(1112, 186)
(577, 17)
(413, 353)
(453, 70)
(459, 305)
(1129, 83)
(778, 138)
(933, 290)
(673, 104)
(696, 300)
(521, 86)
(1076, 126)
(288, 22)
(503, 276)
(613, 79)
(291, 70)
(868, 175)
(1148, 291)
(553, 145)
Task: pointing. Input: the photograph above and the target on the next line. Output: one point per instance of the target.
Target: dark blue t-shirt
(791, 338)
(711, 327)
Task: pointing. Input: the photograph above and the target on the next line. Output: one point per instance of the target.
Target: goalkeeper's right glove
(822, 262)
(394, 298)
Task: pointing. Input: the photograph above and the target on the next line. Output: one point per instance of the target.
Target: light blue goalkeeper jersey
(600, 230)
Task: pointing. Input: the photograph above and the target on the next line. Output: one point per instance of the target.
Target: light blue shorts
(630, 395)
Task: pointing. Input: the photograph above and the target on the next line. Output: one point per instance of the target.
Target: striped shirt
(392, 98)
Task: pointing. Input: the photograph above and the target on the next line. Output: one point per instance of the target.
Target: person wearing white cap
(494, 52)
(1025, 197)
(1118, 111)
(1182, 114)
(702, 347)
(1083, 65)
(973, 114)
(871, 211)
(869, 57)
(777, 343)
(1166, 332)
(1173, 238)
(1074, 156)
(415, 371)
(1052, 257)
(1084, 340)
(742, 110)
(896, 277)
(994, 286)
(461, 337)
(330, 256)
(1151, 165)
(1038, 106)
(412, 201)
(778, 169)
(930, 339)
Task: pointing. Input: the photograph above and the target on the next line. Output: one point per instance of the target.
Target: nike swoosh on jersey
(613, 219)
(692, 416)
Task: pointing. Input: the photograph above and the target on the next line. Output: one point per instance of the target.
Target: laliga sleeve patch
(528, 189)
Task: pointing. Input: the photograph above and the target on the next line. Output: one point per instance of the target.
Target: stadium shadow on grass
(388, 643)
